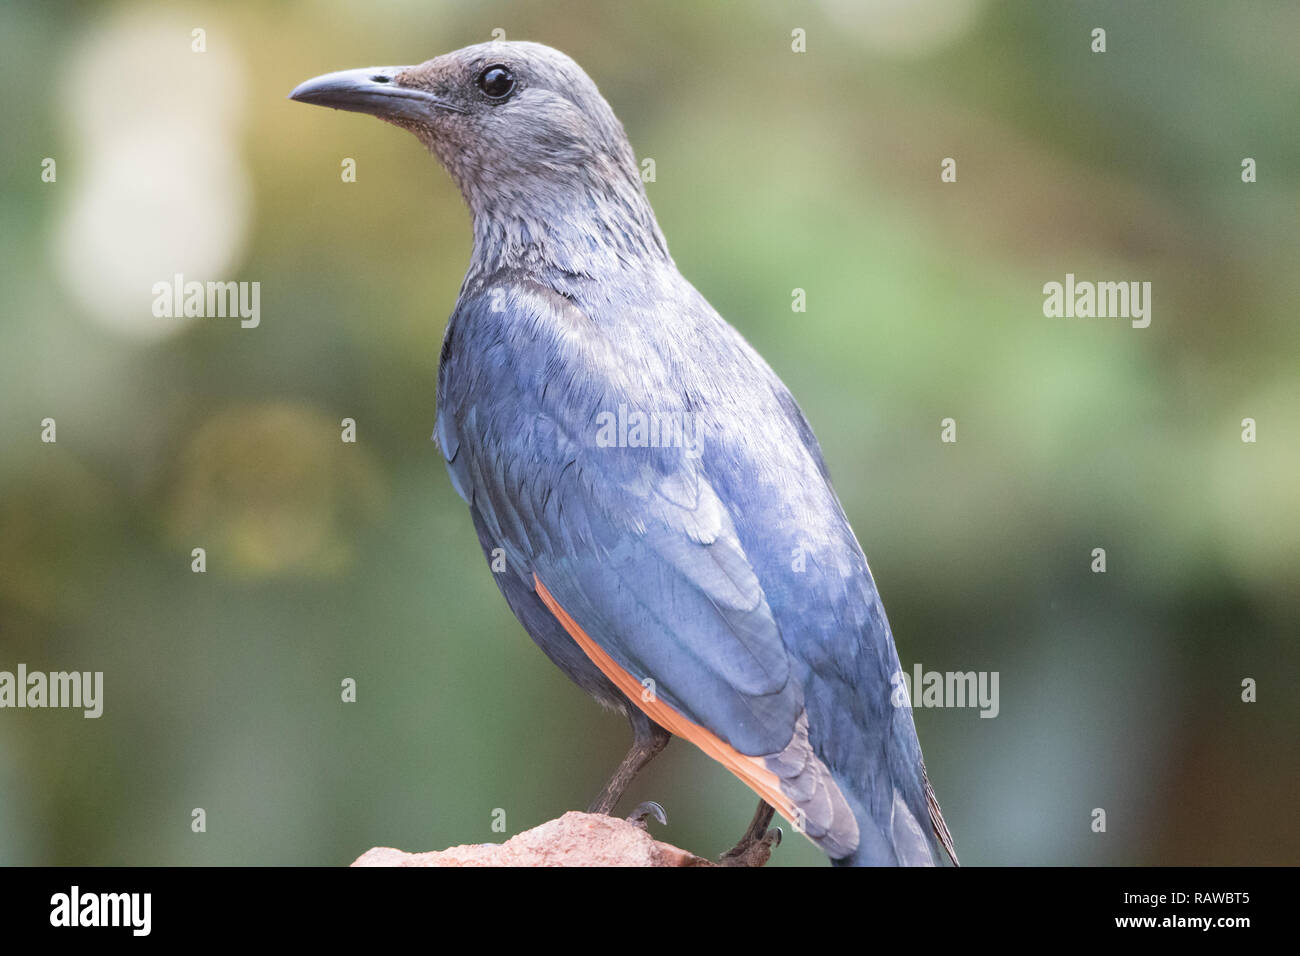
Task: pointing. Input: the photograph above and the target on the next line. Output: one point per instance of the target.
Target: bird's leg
(756, 846)
(647, 740)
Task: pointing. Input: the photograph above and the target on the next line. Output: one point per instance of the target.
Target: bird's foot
(648, 809)
(752, 850)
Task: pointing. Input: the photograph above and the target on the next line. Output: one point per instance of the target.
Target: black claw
(648, 809)
(773, 838)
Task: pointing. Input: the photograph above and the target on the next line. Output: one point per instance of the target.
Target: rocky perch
(575, 839)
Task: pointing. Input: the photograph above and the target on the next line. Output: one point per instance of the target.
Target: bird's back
(654, 345)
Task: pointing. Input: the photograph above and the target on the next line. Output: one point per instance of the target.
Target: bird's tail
(895, 830)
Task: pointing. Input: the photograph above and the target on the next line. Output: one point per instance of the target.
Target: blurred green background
(775, 170)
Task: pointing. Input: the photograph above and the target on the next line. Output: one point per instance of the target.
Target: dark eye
(496, 81)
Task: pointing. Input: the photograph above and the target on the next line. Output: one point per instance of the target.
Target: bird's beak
(375, 91)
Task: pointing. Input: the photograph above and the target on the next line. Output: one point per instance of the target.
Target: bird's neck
(596, 224)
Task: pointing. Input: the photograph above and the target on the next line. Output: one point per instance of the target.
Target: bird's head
(521, 129)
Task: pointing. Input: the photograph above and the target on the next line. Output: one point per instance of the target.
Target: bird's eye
(496, 82)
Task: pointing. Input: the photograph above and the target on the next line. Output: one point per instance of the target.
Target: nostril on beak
(380, 78)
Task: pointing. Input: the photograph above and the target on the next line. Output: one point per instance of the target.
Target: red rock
(575, 839)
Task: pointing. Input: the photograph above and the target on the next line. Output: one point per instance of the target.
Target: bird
(657, 507)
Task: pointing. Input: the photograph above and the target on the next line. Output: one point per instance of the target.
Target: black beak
(374, 91)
